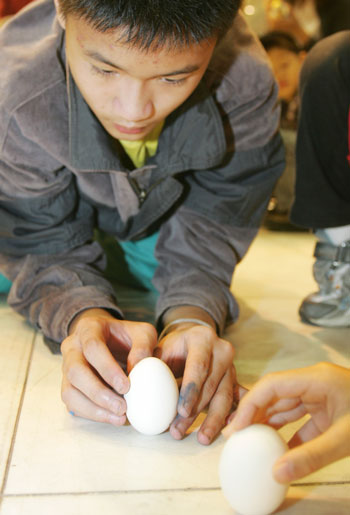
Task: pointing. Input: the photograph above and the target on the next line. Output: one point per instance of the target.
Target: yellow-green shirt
(140, 150)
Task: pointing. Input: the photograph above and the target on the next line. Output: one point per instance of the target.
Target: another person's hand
(323, 392)
(205, 362)
(96, 355)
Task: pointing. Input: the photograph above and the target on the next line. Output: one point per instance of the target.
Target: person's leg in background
(322, 195)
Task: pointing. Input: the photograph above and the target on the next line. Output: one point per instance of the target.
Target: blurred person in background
(286, 59)
(308, 20)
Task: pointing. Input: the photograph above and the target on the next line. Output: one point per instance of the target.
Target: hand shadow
(265, 345)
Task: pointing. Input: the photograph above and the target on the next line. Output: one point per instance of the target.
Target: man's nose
(133, 102)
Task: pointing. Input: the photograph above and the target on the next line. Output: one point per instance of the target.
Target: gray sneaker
(330, 306)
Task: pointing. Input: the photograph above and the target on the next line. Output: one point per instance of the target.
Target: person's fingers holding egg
(143, 339)
(220, 405)
(79, 405)
(78, 375)
(187, 350)
(92, 336)
(221, 365)
(180, 425)
(213, 358)
(208, 372)
(202, 372)
(254, 405)
(218, 391)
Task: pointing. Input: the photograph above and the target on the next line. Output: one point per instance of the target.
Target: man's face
(286, 67)
(130, 90)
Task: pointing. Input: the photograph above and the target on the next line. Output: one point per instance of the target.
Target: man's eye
(174, 82)
(100, 71)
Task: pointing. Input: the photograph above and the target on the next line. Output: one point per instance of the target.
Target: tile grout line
(15, 427)
(160, 490)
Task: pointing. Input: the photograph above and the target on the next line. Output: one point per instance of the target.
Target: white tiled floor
(52, 463)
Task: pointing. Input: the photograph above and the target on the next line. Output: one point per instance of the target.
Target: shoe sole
(335, 322)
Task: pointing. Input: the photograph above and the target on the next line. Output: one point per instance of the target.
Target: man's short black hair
(279, 39)
(156, 23)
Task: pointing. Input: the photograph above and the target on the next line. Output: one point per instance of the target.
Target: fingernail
(283, 472)
(176, 433)
(208, 435)
(115, 420)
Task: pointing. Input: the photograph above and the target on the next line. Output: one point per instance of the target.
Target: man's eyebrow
(98, 57)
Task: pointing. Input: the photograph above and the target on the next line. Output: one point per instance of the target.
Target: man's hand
(209, 381)
(323, 392)
(95, 353)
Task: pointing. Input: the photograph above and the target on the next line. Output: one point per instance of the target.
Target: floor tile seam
(150, 491)
(321, 483)
(18, 415)
(110, 492)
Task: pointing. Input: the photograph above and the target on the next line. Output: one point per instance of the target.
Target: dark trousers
(322, 190)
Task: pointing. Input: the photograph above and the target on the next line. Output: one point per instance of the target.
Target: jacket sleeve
(200, 245)
(46, 247)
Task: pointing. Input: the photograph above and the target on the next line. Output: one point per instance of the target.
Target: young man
(322, 196)
(156, 124)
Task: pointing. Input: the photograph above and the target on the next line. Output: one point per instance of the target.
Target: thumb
(313, 455)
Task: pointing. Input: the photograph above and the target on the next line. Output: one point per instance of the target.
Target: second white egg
(152, 398)
(245, 470)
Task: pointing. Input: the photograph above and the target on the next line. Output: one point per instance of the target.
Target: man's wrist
(85, 313)
(185, 314)
(178, 321)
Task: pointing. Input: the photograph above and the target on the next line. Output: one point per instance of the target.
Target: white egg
(245, 470)
(152, 399)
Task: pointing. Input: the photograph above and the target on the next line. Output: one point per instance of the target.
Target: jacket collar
(192, 137)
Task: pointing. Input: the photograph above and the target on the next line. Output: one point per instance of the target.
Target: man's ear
(60, 17)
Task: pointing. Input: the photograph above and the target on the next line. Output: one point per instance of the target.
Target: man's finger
(78, 373)
(144, 340)
(180, 425)
(219, 407)
(222, 357)
(101, 359)
(198, 366)
(285, 417)
(79, 405)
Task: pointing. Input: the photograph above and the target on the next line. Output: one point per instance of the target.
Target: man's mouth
(129, 130)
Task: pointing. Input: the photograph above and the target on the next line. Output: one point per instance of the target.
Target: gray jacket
(61, 176)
